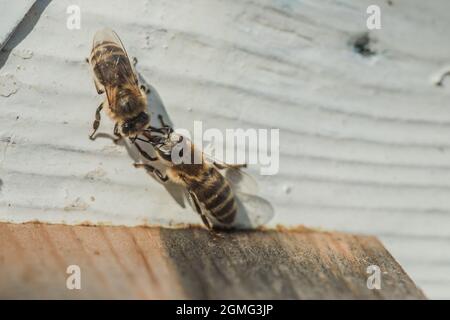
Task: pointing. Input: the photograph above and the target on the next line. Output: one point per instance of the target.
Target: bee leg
(161, 120)
(145, 89)
(97, 87)
(206, 222)
(232, 166)
(135, 61)
(117, 133)
(153, 171)
(96, 123)
(87, 60)
(199, 211)
(145, 154)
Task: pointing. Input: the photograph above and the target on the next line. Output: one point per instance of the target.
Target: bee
(211, 193)
(125, 101)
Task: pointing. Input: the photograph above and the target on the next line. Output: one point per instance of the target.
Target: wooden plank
(158, 263)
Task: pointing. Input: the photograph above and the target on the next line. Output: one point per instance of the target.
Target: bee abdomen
(226, 212)
(219, 200)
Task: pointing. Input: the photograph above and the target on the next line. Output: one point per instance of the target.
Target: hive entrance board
(158, 263)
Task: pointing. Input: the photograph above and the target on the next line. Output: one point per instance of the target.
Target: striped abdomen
(215, 194)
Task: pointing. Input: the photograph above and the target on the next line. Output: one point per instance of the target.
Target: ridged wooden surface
(157, 263)
(12, 16)
(365, 140)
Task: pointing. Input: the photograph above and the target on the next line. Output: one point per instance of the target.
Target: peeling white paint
(23, 53)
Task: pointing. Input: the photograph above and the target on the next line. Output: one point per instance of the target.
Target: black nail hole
(362, 45)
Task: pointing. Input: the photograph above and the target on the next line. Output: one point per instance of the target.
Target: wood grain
(158, 263)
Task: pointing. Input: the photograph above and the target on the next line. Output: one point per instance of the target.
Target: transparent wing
(111, 60)
(107, 35)
(253, 211)
(240, 181)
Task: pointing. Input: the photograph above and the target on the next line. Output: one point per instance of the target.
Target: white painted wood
(12, 15)
(365, 141)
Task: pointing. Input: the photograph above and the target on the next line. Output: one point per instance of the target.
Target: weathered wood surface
(158, 263)
(365, 144)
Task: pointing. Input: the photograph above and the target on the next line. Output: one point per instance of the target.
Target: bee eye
(144, 117)
(168, 156)
(125, 128)
(143, 120)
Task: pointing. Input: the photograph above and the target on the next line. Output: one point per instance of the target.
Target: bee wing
(111, 94)
(105, 36)
(253, 211)
(111, 62)
(239, 180)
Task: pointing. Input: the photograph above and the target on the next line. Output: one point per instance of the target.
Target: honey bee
(114, 75)
(211, 193)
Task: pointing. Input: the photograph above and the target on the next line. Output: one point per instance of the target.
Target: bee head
(135, 125)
